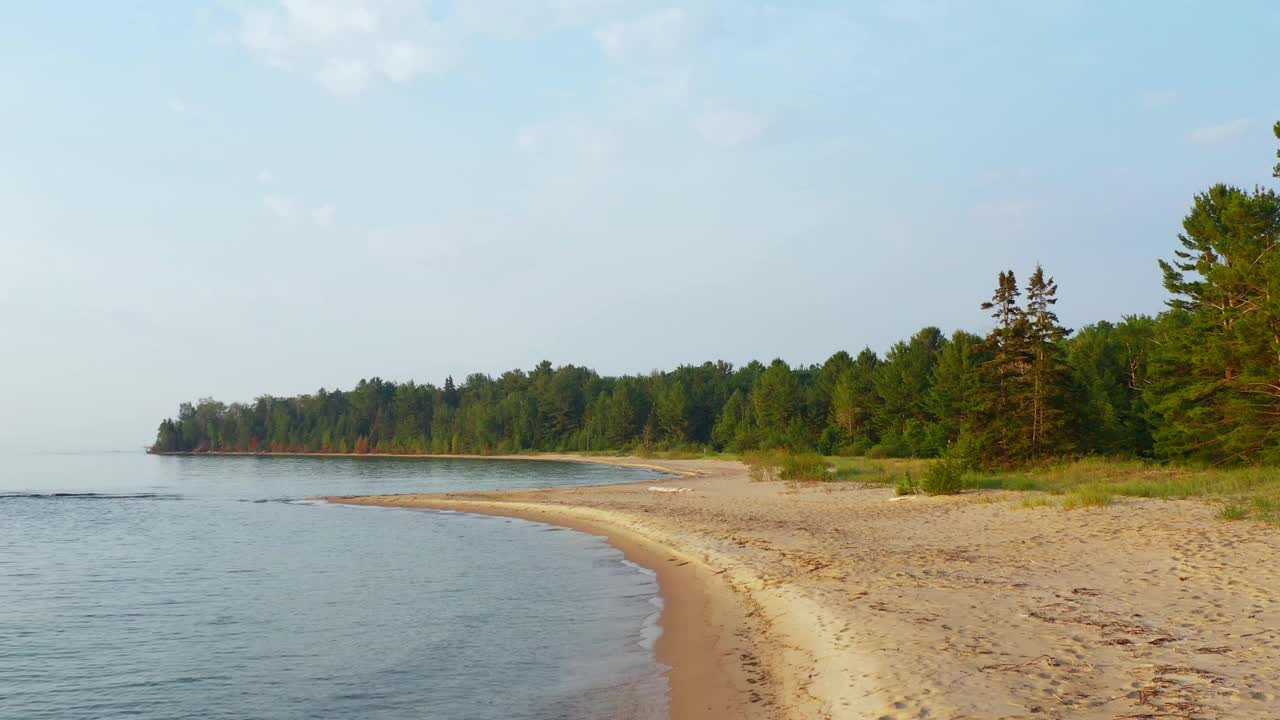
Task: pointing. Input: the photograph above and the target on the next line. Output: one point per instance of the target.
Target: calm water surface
(183, 587)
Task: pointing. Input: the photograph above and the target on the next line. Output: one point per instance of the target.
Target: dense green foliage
(1199, 382)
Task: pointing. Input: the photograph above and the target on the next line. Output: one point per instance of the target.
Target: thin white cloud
(523, 18)
(323, 215)
(280, 206)
(811, 51)
(291, 210)
(920, 12)
(1226, 132)
(729, 128)
(567, 135)
(178, 106)
(343, 76)
(346, 45)
(654, 37)
(401, 61)
(265, 176)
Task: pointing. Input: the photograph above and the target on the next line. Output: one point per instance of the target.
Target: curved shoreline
(699, 618)
(850, 604)
(609, 460)
(733, 652)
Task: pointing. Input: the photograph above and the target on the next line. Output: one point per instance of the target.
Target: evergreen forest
(1198, 383)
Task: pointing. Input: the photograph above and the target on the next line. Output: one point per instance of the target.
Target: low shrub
(804, 467)
(878, 452)
(905, 485)
(944, 477)
(762, 465)
(857, 448)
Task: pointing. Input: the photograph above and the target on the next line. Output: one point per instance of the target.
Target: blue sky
(238, 198)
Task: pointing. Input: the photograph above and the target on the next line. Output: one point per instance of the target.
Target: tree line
(1199, 382)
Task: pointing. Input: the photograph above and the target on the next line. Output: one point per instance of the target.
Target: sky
(233, 199)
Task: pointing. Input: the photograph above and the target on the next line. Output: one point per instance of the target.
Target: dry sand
(835, 601)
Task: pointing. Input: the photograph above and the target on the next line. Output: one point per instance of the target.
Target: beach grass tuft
(1249, 492)
(1233, 511)
(1088, 496)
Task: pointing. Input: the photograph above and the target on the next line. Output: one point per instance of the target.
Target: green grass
(1087, 496)
(672, 453)
(886, 471)
(1233, 511)
(1259, 507)
(1250, 493)
(976, 481)
(767, 465)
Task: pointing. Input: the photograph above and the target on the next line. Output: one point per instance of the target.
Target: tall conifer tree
(1215, 388)
(1005, 397)
(1049, 378)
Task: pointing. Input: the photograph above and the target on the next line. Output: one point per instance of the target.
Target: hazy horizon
(233, 199)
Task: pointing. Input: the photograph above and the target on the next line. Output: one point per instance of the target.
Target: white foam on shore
(650, 629)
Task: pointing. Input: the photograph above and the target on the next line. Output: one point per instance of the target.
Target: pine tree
(673, 412)
(1049, 376)
(854, 401)
(902, 383)
(1215, 390)
(1276, 172)
(774, 397)
(621, 416)
(1109, 371)
(733, 416)
(819, 403)
(1005, 396)
(957, 384)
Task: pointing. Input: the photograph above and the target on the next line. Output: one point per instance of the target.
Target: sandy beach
(838, 601)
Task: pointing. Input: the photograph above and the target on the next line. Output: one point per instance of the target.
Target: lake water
(201, 587)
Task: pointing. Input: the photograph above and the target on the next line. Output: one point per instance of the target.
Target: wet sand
(836, 601)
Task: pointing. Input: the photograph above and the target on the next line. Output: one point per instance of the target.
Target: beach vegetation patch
(944, 477)
(1088, 496)
(1233, 511)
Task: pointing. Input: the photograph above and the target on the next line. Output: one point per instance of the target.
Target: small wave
(651, 629)
(87, 496)
(651, 574)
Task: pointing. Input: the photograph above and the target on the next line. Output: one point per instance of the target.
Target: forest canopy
(1199, 382)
